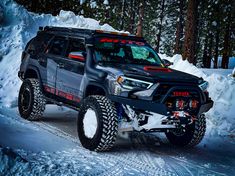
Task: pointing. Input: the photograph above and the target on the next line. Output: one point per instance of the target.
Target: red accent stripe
(49, 89)
(156, 69)
(65, 95)
(80, 58)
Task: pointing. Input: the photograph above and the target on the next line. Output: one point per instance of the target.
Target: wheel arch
(33, 72)
(95, 89)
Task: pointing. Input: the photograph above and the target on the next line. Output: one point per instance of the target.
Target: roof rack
(87, 33)
(113, 32)
(64, 29)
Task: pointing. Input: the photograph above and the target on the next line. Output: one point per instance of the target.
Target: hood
(150, 73)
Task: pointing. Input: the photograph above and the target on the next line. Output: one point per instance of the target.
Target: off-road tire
(192, 136)
(36, 99)
(107, 123)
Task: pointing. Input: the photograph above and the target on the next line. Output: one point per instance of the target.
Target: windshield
(126, 52)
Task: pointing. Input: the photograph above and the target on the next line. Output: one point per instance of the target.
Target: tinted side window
(58, 46)
(75, 45)
(39, 43)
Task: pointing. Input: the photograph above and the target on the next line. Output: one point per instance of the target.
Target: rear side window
(58, 46)
(75, 45)
(38, 44)
(76, 50)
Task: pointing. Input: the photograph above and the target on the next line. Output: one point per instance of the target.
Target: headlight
(203, 86)
(130, 83)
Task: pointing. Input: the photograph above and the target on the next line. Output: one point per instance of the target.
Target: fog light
(180, 104)
(193, 104)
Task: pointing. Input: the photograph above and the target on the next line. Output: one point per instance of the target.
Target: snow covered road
(51, 146)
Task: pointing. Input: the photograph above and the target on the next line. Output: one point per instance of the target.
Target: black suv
(116, 81)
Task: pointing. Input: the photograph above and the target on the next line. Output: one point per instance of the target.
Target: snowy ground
(51, 146)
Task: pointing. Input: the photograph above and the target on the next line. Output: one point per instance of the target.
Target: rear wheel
(97, 123)
(31, 103)
(191, 135)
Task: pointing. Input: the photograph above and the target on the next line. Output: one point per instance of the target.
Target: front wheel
(97, 123)
(191, 135)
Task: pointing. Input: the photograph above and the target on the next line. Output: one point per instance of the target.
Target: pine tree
(227, 35)
(179, 28)
(191, 32)
(139, 31)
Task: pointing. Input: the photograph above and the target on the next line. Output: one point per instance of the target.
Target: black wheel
(31, 103)
(97, 123)
(190, 136)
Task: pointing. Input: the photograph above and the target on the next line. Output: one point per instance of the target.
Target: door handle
(60, 65)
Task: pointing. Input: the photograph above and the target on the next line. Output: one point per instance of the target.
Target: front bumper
(206, 106)
(151, 106)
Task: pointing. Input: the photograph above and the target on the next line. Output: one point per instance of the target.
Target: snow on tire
(104, 137)
(192, 135)
(31, 102)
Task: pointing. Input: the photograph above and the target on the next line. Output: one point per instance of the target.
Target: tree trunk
(139, 32)
(34, 5)
(190, 32)
(160, 26)
(122, 15)
(132, 17)
(208, 64)
(179, 29)
(216, 48)
(225, 58)
(205, 52)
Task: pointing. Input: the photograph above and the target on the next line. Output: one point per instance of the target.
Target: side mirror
(167, 63)
(77, 56)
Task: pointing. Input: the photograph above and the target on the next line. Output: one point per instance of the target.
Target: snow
(221, 117)
(17, 31)
(106, 2)
(45, 149)
(231, 63)
(22, 134)
(56, 152)
(82, 1)
(90, 123)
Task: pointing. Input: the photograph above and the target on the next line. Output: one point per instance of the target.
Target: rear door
(41, 45)
(70, 72)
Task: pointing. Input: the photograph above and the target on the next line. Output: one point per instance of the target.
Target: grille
(161, 92)
(164, 88)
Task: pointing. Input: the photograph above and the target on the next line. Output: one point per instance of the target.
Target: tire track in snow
(144, 160)
(176, 164)
(129, 160)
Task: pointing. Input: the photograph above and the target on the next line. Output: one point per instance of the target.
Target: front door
(70, 72)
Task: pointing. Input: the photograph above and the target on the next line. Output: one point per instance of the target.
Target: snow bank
(71, 162)
(221, 118)
(184, 66)
(11, 163)
(18, 26)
